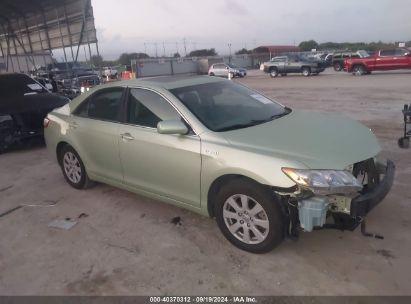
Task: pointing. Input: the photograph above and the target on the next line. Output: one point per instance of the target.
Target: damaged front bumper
(364, 203)
(310, 213)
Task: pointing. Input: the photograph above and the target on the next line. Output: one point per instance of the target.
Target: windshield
(224, 106)
(232, 66)
(363, 54)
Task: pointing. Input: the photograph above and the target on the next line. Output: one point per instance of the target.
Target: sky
(140, 25)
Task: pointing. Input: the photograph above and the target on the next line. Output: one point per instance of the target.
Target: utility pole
(164, 50)
(177, 47)
(229, 47)
(156, 49)
(185, 46)
(145, 48)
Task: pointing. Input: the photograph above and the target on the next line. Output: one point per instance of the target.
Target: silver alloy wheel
(273, 73)
(306, 72)
(359, 70)
(72, 167)
(246, 219)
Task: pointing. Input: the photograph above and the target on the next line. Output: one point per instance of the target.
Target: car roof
(167, 82)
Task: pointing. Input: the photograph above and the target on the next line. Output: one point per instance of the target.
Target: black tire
(337, 67)
(358, 70)
(273, 72)
(211, 74)
(83, 181)
(270, 206)
(306, 71)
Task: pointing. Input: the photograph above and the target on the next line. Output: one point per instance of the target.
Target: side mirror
(172, 127)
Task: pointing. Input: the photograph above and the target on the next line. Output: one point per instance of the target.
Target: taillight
(46, 122)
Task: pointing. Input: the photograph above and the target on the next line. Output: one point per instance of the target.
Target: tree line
(353, 46)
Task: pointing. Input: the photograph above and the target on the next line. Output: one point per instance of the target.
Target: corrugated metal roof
(28, 26)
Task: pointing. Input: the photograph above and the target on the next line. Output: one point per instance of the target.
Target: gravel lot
(125, 244)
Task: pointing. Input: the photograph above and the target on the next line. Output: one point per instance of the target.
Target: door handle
(127, 136)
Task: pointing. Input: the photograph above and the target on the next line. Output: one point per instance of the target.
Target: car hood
(316, 140)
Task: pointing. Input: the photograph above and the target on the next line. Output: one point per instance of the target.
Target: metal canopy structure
(39, 26)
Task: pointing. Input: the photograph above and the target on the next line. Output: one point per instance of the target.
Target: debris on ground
(10, 211)
(65, 224)
(82, 215)
(176, 221)
(6, 188)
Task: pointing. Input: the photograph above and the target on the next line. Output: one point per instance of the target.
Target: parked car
(24, 103)
(382, 60)
(339, 58)
(224, 69)
(110, 72)
(220, 149)
(45, 82)
(292, 64)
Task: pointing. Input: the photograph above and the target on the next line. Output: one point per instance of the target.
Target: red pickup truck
(382, 60)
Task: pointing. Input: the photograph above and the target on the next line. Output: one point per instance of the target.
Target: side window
(146, 108)
(104, 105)
(82, 109)
(387, 53)
(400, 52)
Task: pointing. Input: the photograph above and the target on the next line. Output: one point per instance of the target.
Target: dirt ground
(125, 244)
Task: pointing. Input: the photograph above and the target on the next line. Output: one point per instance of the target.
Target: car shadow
(28, 144)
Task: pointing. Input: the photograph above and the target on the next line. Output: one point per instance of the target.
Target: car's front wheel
(358, 70)
(273, 72)
(337, 67)
(73, 168)
(306, 71)
(249, 216)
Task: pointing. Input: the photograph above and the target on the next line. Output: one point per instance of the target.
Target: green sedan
(264, 171)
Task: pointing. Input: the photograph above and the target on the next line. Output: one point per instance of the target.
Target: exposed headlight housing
(324, 182)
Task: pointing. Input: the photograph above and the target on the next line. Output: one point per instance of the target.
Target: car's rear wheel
(306, 71)
(212, 74)
(73, 168)
(273, 72)
(249, 216)
(337, 67)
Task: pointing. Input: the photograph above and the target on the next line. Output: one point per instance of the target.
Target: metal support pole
(89, 51)
(1, 49)
(15, 52)
(8, 53)
(42, 49)
(61, 38)
(82, 28)
(68, 30)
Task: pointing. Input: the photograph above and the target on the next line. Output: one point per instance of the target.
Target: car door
(94, 128)
(293, 64)
(163, 164)
(402, 60)
(222, 70)
(386, 61)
